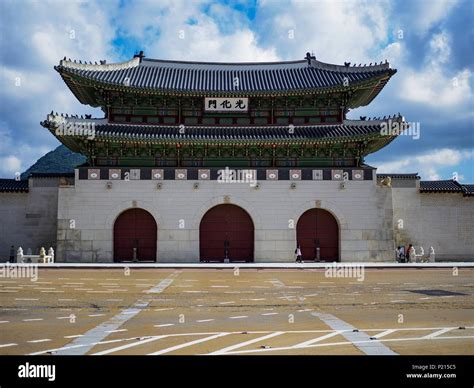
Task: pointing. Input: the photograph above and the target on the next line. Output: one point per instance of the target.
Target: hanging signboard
(223, 104)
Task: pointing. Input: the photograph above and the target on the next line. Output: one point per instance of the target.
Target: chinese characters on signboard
(222, 104)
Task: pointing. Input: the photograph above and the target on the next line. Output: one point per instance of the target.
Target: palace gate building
(237, 162)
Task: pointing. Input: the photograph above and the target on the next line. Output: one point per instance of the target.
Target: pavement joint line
(128, 346)
(134, 338)
(26, 299)
(385, 333)
(374, 348)
(263, 332)
(187, 344)
(439, 332)
(39, 341)
(318, 339)
(8, 345)
(245, 343)
(99, 332)
(116, 331)
(344, 343)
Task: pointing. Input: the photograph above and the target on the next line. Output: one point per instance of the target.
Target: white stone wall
(87, 212)
(29, 219)
(368, 217)
(443, 221)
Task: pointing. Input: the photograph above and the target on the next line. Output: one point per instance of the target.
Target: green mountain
(61, 160)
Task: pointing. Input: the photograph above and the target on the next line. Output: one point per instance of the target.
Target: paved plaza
(238, 311)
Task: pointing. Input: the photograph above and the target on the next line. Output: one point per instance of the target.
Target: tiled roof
(212, 77)
(446, 186)
(399, 176)
(321, 132)
(468, 190)
(143, 132)
(13, 185)
(51, 174)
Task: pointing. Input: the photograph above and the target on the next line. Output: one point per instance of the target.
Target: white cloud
(394, 53)
(17, 154)
(336, 31)
(10, 165)
(429, 13)
(34, 39)
(428, 164)
(218, 35)
(434, 85)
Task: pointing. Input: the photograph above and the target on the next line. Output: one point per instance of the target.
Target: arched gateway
(226, 232)
(135, 236)
(317, 233)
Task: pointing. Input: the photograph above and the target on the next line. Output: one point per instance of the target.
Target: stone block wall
(88, 210)
(29, 219)
(444, 221)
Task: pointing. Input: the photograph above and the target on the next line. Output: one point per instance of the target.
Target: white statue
(432, 255)
(19, 255)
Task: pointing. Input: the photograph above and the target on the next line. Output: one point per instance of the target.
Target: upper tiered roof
(144, 75)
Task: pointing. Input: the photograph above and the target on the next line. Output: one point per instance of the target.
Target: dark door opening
(317, 234)
(226, 232)
(135, 236)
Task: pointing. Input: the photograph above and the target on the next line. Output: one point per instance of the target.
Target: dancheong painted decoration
(196, 114)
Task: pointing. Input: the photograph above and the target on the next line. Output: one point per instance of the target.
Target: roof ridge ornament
(103, 66)
(309, 57)
(140, 55)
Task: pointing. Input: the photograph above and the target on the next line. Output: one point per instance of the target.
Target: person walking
(410, 254)
(299, 256)
(12, 254)
(400, 254)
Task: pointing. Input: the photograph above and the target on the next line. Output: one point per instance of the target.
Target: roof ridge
(223, 63)
(137, 60)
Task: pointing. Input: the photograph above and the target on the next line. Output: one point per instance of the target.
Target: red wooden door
(135, 235)
(226, 230)
(317, 228)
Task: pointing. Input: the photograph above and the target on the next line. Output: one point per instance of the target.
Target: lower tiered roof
(104, 131)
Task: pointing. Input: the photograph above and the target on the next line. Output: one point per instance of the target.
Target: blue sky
(429, 42)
